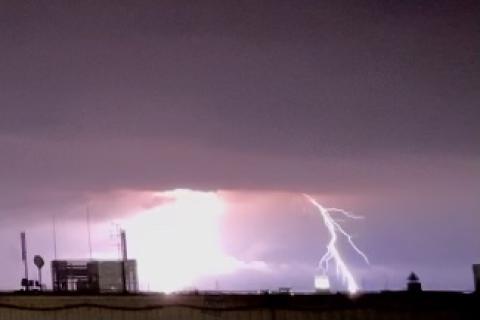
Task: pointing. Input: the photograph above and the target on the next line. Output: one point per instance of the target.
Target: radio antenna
(89, 233)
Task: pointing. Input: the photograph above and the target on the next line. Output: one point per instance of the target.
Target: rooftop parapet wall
(218, 306)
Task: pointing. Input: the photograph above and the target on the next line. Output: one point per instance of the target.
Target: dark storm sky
(370, 99)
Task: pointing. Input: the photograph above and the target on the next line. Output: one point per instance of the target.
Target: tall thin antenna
(54, 237)
(115, 236)
(23, 240)
(123, 242)
(89, 233)
(386, 285)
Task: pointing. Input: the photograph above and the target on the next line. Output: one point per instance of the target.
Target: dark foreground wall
(398, 305)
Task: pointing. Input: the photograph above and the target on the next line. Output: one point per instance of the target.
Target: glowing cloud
(177, 241)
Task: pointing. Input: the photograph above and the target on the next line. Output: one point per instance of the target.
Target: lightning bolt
(332, 254)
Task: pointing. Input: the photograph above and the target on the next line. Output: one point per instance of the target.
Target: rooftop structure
(96, 276)
(413, 283)
(476, 277)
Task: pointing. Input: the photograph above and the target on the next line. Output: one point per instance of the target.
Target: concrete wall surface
(238, 307)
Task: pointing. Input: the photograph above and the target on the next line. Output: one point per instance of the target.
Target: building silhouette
(95, 276)
(413, 283)
(476, 277)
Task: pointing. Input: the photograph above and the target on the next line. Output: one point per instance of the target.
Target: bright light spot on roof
(322, 283)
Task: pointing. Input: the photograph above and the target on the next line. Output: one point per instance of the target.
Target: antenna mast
(123, 243)
(54, 237)
(89, 233)
(24, 257)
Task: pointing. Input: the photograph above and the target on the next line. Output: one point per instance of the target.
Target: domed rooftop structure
(413, 283)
